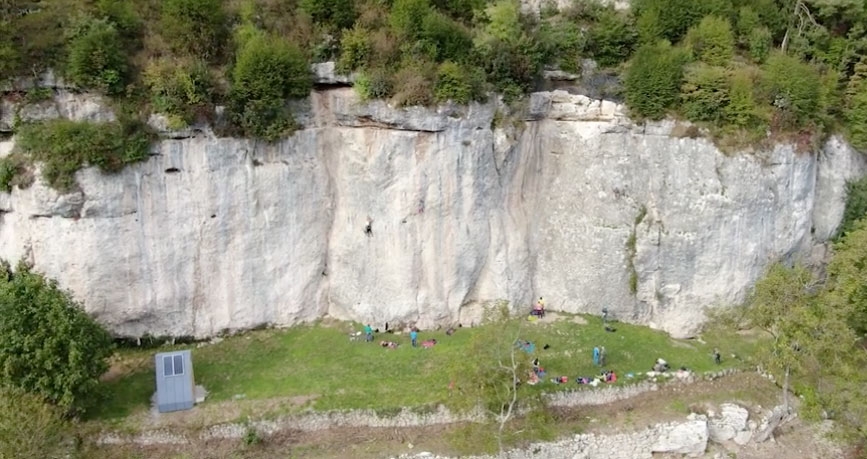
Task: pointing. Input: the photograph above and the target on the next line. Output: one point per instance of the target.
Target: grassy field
(319, 362)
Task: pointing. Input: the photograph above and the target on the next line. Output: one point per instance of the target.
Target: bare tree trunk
(786, 390)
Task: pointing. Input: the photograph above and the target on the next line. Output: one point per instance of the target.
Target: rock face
(575, 202)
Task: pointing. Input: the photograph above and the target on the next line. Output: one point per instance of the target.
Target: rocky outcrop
(572, 201)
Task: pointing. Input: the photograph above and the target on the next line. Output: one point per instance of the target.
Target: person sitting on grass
(429, 343)
(388, 344)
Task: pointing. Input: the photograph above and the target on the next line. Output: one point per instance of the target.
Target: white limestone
(216, 234)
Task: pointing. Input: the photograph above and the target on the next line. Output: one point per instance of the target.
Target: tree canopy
(49, 346)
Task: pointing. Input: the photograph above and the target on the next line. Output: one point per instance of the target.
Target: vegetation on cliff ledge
(741, 68)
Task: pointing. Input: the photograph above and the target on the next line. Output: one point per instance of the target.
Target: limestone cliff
(575, 202)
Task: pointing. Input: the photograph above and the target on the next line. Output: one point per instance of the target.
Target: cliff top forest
(748, 71)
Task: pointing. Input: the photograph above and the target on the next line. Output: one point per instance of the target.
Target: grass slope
(320, 361)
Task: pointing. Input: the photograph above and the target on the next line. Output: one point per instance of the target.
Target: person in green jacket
(368, 333)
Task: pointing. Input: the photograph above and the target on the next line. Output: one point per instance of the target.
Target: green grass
(320, 361)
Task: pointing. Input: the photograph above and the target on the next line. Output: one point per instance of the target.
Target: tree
(847, 271)
(612, 39)
(490, 379)
(712, 41)
(197, 27)
(653, 79)
(49, 346)
(794, 88)
(705, 92)
(30, 427)
(268, 70)
(338, 13)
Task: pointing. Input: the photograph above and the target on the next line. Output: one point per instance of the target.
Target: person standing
(368, 333)
(595, 356)
(413, 336)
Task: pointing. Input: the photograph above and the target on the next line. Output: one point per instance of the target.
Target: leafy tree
(793, 88)
(490, 380)
(705, 92)
(338, 13)
(612, 39)
(267, 71)
(463, 10)
(856, 120)
(197, 27)
(561, 42)
(122, 14)
(96, 59)
(742, 110)
(783, 305)
(30, 427)
(712, 41)
(748, 20)
(406, 17)
(675, 17)
(760, 43)
(848, 269)
(414, 84)
(649, 25)
(652, 81)
(356, 50)
(451, 40)
(48, 345)
(504, 22)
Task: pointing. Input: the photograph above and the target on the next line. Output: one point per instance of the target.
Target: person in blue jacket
(413, 336)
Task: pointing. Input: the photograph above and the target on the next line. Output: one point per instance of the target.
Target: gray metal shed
(175, 390)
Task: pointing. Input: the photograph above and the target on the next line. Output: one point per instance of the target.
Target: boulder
(687, 438)
(731, 421)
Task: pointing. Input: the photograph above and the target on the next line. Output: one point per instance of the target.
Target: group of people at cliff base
(413, 337)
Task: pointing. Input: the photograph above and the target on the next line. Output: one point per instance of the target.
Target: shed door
(173, 365)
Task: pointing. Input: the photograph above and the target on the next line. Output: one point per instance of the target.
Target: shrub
(504, 22)
(742, 110)
(652, 81)
(748, 20)
(197, 27)
(374, 84)
(793, 88)
(96, 58)
(413, 85)
(561, 42)
(267, 71)
(704, 94)
(179, 88)
(123, 16)
(675, 17)
(712, 41)
(355, 50)
(611, 40)
(48, 345)
(14, 171)
(452, 40)
(512, 67)
(31, 428)
(66, 146)
(462, 10)
(760, 42)
(406, 17)
(856, 205)
(459, 84)
(337, 13)
(649, 26)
